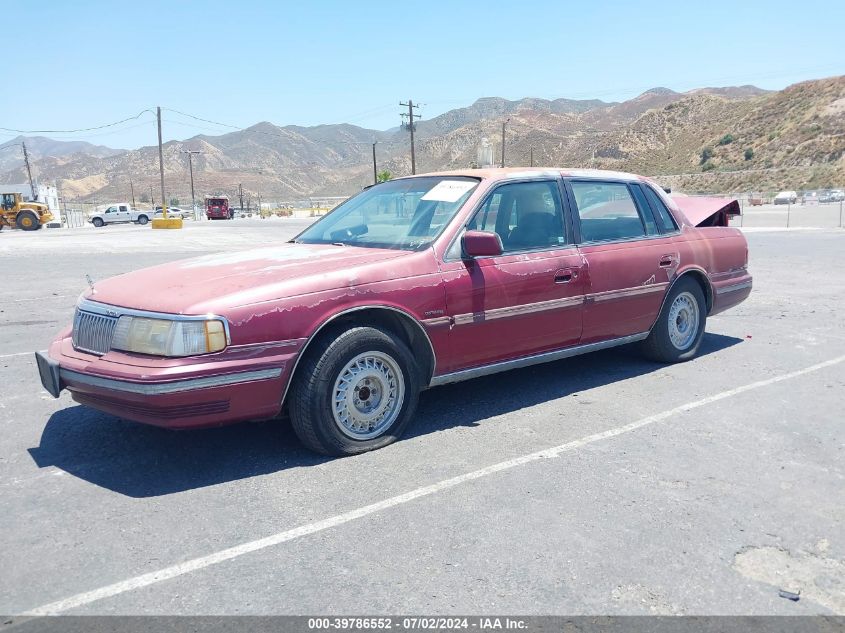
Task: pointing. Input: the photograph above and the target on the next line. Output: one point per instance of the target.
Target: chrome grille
(93, 332)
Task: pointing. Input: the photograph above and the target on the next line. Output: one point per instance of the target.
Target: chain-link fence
(75, 214)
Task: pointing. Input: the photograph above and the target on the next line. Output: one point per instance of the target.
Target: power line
(192, 116)
(86, 129)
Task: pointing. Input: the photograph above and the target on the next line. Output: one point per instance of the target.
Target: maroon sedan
(412, 283)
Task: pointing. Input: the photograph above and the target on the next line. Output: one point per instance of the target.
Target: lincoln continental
(410, 284)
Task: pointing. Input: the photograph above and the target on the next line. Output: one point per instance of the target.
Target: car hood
(212, 283)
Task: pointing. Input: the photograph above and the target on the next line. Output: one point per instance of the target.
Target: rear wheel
(356, 391)
(27, 221)
(677, 334)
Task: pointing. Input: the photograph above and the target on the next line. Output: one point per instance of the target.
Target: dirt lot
(600, 484)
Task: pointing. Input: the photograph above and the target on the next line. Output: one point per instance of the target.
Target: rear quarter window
(660, 210)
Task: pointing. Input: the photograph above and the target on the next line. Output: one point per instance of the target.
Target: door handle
(565, 275)
(666, 261)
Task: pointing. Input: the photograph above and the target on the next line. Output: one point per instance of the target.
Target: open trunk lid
(707, 210)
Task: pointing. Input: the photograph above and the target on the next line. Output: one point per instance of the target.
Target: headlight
(164, 337)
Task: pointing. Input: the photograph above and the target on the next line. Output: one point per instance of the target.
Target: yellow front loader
(28, 216)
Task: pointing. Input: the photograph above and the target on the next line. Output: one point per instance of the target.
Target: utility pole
(29, 172)
(161, 166)
(190, 153)
(531, 158)
(259, 192)
(375, 171)
(241, 195)
(132, 189)
(503, 140)
(410, 116)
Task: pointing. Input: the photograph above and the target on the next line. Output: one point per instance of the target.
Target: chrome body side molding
(536, 359)
(734, 287)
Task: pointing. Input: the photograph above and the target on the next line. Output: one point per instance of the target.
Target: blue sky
(86, 63)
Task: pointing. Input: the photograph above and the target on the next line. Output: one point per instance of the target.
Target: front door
(527, 300)
(111, 215)
(629, 263)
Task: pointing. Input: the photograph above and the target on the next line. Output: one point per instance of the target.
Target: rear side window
(607, 211)
(660, 210)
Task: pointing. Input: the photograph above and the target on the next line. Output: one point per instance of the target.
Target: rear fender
(700, 276)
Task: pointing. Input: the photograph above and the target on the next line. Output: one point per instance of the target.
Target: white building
(47, 194)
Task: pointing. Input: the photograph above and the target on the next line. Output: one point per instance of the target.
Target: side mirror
(481, 244)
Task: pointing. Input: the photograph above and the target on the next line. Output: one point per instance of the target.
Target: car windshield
(403, 214)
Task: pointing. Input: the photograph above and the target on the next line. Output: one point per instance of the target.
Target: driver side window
(526, 216)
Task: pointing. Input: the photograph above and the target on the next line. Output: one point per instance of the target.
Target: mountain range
(710, 139)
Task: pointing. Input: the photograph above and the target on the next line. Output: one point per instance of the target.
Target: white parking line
(202, 562)
(44, 298)
(17, 354)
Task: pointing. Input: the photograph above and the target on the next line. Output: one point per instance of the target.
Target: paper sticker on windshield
(448, 190)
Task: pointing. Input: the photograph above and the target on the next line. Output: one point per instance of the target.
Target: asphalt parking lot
(602, 484)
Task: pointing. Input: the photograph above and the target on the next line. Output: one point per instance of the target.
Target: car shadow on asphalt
(144, 461)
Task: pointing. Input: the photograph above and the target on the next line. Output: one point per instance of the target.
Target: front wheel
(142, 220)
(27, 221)
(98, 222)
(354, 392)
(677, 334)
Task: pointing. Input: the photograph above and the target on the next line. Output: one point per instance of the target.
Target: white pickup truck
(118, 213)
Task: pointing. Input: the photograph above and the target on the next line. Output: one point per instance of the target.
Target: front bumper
(239, 384)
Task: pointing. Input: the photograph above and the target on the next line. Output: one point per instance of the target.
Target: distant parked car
(174, 212)
(810, 197)
(837, 195)
(117, 214)
(786, 197)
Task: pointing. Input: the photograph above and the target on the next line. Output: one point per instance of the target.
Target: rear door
(629, 261)
(124, 213)
(527, 300)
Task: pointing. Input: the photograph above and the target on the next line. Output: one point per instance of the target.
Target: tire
(142, 220)
(27, 221)
(677, 334)
(98, 222)
(360, 360)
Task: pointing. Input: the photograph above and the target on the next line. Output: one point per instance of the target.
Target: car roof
(507, 173)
